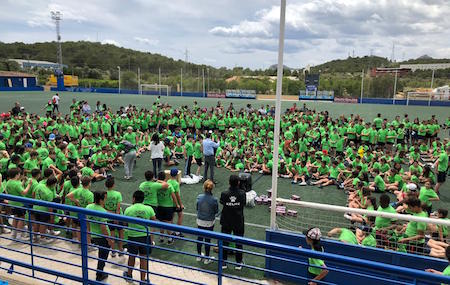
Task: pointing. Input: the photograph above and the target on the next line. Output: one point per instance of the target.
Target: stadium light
(57, 16)
(118, 67)
(276, 137)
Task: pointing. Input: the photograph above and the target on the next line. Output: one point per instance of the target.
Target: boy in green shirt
(112, 205)
(176, 186)
(42, 214)
(138, 240)
(100, 233)
(166, 201)
(151, 189)
(81, 197)
(14, 187)
(415, 231)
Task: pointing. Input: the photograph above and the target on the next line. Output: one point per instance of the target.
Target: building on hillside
(426, 66)
(25, 63)
(18, 81)
(389, 70)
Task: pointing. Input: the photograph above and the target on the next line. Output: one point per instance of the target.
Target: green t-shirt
(426, 194)
(316, 262)
(381, 222)
(84, 196)
(443, 162)
(15, 188)
(198, 150)
(369, 241)
(165, 197)
(97, 222)
(150, 189)
(113, 198)
(348, 236)
(189, 148)
(414, 227)
(176, 187)
(379, 182)
(142, 211)
(43, 193)
(87, 171)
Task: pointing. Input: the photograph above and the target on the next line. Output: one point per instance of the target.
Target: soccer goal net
(443, 95)
(379, 229)
(154, 89)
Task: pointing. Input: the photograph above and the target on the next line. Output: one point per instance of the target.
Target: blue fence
(270, 252)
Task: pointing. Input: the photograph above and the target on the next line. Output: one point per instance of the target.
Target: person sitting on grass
(331, 179)
(301, 172)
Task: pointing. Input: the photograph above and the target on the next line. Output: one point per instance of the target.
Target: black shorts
(96, 167)
(400, 141)
(177, 210)
(42, 217)
(17, 212)
(199, 161)
(441, 176)
(381, 143)
(115, 225)
(164, 213)
(139, 249)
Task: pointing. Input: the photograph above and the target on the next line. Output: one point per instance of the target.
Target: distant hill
(94, 55)
(351, 64)
(275, 66)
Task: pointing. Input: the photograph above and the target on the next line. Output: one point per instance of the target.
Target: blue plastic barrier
(35, 88)
(334, 247)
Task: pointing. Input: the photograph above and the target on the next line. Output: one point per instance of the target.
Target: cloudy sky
(241, 32)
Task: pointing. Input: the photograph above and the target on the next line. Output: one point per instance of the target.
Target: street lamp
(118, 67)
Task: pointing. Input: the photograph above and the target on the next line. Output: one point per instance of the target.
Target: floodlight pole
(203, 82)
(118, 67)
(362, 86)
(395, 87)
(159, 79)
(431, 87)
(181, 82)
(56, 16)
(207, 71)
(276, 137)
(139, 80)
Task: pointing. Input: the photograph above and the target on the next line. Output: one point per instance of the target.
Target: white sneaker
(348, 216)
(302, 184)
(46, 240)
(92, 249)
(6, 230)
(200, 258)
(238, 267)
(209, 260)
(55, 233)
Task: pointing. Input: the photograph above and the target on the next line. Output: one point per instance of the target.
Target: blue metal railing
(261, 250)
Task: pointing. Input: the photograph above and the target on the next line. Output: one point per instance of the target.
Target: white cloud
(146, 41)
(110, 42)
(244, 29)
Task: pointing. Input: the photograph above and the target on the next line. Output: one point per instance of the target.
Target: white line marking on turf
(195, 215)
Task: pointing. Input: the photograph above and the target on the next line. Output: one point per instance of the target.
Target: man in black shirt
(232, 217)
(16, 109)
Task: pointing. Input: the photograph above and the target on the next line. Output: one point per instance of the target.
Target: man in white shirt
(55, 102)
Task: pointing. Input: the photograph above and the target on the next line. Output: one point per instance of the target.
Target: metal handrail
(83, 214)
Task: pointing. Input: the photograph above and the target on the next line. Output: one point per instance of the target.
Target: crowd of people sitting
(57, 156)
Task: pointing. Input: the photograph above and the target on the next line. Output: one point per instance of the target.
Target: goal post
(297, 216)
(154, 89)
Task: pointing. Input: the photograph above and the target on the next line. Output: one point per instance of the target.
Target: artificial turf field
(258, 217)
